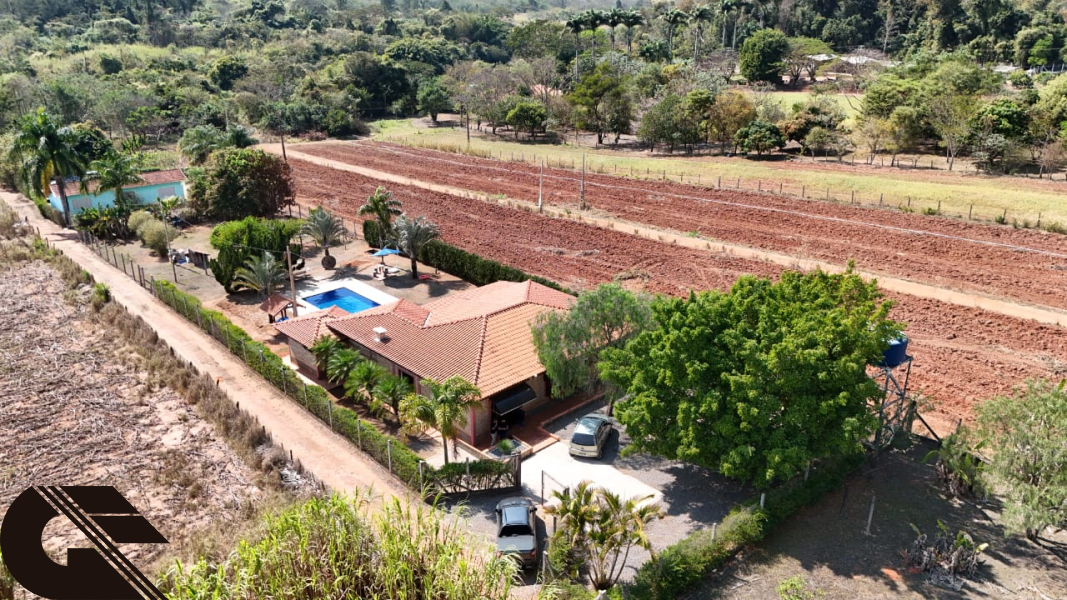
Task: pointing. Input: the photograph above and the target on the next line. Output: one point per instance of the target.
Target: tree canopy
(759, 381)
(240, 182)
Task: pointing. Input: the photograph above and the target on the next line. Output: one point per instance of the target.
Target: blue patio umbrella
(385, 252)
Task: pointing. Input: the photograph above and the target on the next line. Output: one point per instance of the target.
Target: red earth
(1019, 264)
(962, 355)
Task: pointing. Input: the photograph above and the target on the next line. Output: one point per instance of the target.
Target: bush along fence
(399, 460)
(465, 265)
(908, 204)
(679, 567)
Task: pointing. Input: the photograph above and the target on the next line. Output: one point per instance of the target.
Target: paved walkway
(332, 459)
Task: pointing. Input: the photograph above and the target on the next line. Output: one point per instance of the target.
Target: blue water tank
(896, 353)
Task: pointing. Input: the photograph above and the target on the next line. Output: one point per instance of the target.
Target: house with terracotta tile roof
(154, 185)
(302, 332)
(481, 334)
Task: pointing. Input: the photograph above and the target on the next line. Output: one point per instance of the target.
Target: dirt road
(329, 456)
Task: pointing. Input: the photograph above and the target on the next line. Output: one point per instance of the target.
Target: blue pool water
(342, 297)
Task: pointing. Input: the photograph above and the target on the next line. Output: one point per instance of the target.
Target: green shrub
(138, 219)
(154, 235)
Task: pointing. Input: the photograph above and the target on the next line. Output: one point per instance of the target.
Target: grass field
(1023, 201)
(849, 103)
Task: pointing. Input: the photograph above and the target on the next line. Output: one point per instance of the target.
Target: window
(165, 192)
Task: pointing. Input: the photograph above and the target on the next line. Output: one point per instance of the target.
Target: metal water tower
(893, 374)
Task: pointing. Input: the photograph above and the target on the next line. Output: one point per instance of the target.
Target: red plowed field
(961, 354)
(1024, 265)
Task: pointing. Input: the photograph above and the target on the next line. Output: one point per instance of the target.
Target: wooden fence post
(389, 452)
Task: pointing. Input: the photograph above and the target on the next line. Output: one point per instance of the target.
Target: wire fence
(971, 211)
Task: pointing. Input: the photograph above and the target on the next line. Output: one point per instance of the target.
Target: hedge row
(686, 563)
(386, 450)
(465, 265)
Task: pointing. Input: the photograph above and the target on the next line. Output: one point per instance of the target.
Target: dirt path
(329, 456)
(904, 286)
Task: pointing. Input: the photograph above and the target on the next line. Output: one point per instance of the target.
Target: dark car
(516, 530)
(590, 435)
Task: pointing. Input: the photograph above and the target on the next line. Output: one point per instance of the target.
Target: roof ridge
(481, 350)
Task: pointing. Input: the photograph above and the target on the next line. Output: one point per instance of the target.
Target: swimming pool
(341, 297)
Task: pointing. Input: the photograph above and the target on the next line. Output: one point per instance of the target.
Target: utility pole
(166, 232)
(467, 110)
(581, 203)
(292, 282)
(540, 187)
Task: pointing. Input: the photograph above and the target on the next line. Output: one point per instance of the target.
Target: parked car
(590, 436)
(516, 530)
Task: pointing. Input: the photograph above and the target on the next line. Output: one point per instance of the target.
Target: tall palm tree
(391, 391)
(341, 363)
(576, 25)
(383, 207)
(327, 230)
(446, 408)
(725, 8)
(631, 18)
(47, 153)
(613, 18)
(263, 274)
(697, 17)
(742, 6)
(594, 19)
(412, 235)
(673, 18)
(361, 380)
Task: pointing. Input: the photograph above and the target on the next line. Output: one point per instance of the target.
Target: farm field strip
(961, 354)
(956, 191)
(796, 213)
(996, 261)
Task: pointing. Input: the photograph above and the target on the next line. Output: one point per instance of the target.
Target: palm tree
(613, 18)
(673, 18)
(390, 391)
(383, 208)
(197, 143)
(618, 527)
(446, 408)
(113, 173)
(602, 528)
(576, 25)
(593, 20)
(631, 18)
(327, 230)
(261, 273)
(359, 385)
(323, 349)
(725, 8)
(341, 363)
(47, 153)
(698, 16)
(412, 235)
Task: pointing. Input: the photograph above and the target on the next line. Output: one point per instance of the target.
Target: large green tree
(1026, 438)
(47, 153)
(761, 56)
(590, 99)
(758, 381)
(241, 182)
(569, 343)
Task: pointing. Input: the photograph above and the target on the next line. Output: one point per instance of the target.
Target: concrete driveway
(554, 468)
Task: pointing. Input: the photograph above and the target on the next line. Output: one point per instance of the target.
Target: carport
(507, 404)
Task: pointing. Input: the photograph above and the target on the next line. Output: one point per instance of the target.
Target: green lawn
(923, 189)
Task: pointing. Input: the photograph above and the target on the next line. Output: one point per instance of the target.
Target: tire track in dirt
(962, 354)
